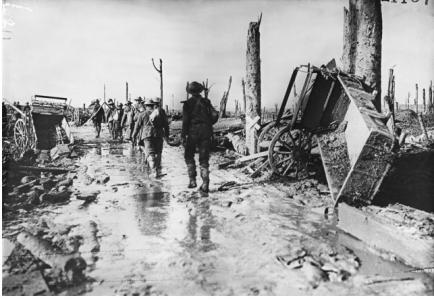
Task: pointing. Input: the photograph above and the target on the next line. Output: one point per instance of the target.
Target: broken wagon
(40, 124)
(335, 114)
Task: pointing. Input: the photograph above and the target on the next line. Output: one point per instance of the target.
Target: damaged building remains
(313, 175)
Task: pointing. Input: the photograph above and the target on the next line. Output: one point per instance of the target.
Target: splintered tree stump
(253, 84)
(363, 27)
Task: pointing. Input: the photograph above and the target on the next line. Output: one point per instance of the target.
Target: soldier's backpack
(156, 118)
(204, 110)
(214, 114)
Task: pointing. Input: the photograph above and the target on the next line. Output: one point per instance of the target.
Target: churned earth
(156, 237)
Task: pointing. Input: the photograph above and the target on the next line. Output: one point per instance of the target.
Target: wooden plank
(382, 234)
(368, 171)
(253, 156)
(336, 163)
(262, 166)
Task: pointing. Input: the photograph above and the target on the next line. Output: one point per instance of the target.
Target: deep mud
(158, 238)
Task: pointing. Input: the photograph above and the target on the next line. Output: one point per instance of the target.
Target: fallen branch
(262, 166)
(43, 169)
(26, 186)
(243, 159)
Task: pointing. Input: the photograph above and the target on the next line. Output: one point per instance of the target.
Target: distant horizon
(72, 48)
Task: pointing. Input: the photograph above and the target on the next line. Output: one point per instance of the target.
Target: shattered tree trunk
(423, 100)
(160, 71)
(126, 92)
(431, 104)
(363, 28)
(243, 83)
(253, 84)
(224, 100)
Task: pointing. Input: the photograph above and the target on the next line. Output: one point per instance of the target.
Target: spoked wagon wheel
(289, 152)
(20, 136)
(267, 134)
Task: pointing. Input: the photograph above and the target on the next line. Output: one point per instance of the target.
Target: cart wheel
(20, 136)
(289, 152)
(267, 134)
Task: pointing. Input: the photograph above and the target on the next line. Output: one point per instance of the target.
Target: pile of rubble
(38, 177)
(46, 257)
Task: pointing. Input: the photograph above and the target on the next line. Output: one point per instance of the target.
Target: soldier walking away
(138, 106)
(97, 117)
(128, 120)
(144, 135)
(160, 123)
(118, 125)
(198, 118)
(112, 118)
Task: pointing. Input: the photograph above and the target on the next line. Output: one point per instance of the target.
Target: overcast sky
(70, 48)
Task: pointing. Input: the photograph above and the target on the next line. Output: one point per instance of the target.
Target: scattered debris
(72, 264)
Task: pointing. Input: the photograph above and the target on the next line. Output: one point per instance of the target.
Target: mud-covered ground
(156, 237)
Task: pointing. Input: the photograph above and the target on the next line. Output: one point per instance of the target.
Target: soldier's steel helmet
(194, 88)
(149, 102)
(110, 102)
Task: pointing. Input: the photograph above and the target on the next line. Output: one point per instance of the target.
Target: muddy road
(156, 237)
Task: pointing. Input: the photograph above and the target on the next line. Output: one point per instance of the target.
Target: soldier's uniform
(197, 133)
(146, 136)
(118, 122)
(112, 118)
(98, 117)
(128, 120)
(161, 126)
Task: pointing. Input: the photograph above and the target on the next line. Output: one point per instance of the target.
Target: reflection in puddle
(200, 223)
(151, 213)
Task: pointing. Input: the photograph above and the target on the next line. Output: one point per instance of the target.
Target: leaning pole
(253, 85)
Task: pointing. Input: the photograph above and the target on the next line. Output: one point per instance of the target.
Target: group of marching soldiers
(145, 124)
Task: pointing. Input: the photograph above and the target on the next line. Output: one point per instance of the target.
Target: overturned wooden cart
(335, 113)
(40, 124)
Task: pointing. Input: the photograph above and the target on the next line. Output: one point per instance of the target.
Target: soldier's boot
(191, 169)
(158, 165)
(152, 164)
(204, 173)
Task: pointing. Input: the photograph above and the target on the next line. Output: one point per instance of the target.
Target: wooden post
(396, 106)
(104, 92)
(430, 97)
(349, 38)
(224, 100)
(84, 106)
(126, 91)
(416, 99)
(206, 88)
(424, 101)
(408, 101)
(253, 85)
(243, 83)
(160, 71)
(363, 28)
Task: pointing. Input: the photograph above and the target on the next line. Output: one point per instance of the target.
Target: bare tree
(160, 71)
